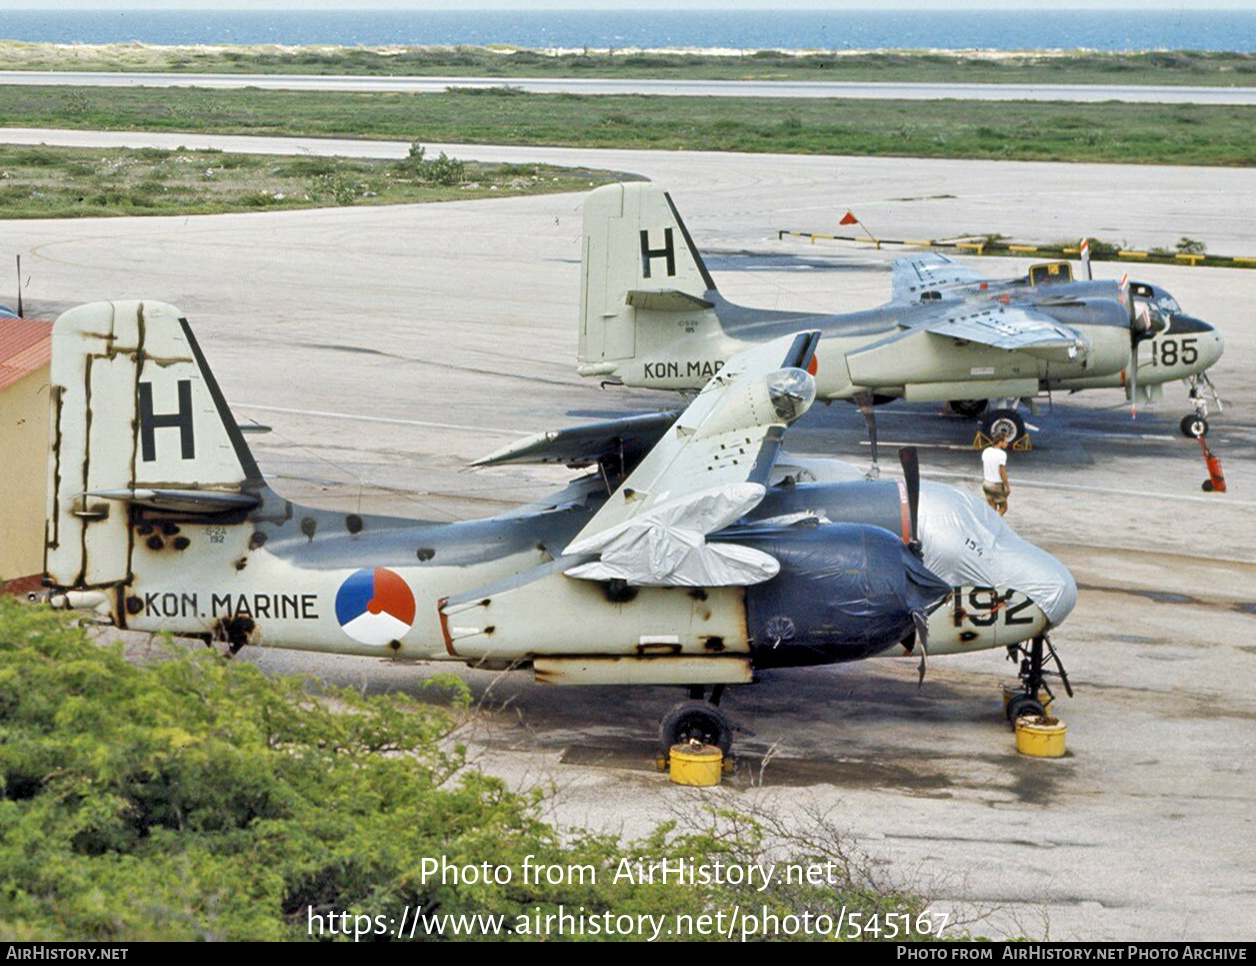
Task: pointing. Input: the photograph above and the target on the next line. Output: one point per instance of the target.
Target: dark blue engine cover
(845, 591)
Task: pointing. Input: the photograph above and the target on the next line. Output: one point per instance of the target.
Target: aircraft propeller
(1140, 329)
(910, 458)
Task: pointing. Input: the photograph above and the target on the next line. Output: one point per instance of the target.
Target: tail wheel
(695, 721)
(1194, 427)
(968, 408)
(1003, 422)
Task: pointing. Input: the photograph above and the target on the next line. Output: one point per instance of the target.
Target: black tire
(1194, 427)
(969, 408)
(1206, 486)
(1023, 705)
(1003, 421)
(699, 720)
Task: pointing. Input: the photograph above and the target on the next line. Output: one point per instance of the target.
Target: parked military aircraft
(651, 317)
(692, 556)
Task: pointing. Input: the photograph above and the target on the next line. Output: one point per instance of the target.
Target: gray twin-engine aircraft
(691, 554)
(652, 317)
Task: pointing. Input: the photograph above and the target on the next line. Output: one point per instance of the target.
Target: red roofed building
(25, 348)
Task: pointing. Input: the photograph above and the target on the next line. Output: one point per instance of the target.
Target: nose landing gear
(1033, 675)
(1200, 390)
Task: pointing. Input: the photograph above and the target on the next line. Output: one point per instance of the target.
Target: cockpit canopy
(1160, 298)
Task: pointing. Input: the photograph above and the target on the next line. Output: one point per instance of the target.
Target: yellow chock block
(1022, 445)
(696, 765)
(1040, 737)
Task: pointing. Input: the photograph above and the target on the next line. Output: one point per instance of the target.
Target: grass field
(994, 67)
(68, 183)
(1018, 130)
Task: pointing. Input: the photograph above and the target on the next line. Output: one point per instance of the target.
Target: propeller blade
(1140, 328)
(1133, 380)
(910, 459)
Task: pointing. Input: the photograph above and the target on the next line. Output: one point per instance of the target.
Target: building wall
(23, 475)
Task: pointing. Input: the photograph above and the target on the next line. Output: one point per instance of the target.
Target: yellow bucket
(1040, 737)
(698, 765)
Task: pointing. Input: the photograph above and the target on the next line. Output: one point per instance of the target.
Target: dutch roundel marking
(375, 606)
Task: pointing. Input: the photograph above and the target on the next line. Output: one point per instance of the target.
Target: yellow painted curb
(696, 765)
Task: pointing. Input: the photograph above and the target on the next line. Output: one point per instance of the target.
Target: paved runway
(1088, 93)
(389, 346)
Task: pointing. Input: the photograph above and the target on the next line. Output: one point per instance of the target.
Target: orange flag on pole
(848, 219)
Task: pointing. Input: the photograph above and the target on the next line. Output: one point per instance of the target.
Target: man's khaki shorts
(996, 493)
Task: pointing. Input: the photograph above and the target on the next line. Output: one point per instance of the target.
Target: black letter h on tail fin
(648, 254)
(150, 421)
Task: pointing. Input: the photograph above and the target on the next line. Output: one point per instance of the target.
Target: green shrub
(195, 798)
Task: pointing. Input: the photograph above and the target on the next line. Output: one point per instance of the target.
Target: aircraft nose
(968, 544)
(1211, 349)
(1209, 343)
(1055, 590)
(1208, 339)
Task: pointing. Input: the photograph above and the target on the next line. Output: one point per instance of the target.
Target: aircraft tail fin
(137, 420)
(638, 265)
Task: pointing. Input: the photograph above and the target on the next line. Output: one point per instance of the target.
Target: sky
(1050, 8)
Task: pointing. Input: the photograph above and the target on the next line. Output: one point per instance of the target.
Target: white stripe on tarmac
(357, 417)
(1160, 496)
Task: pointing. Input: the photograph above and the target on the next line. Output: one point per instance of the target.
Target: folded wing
(929, 272)
(706, 471)
(1014, 328)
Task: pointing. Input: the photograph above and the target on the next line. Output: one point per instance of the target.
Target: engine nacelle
(844, 592)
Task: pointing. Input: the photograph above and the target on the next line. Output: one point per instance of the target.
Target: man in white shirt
(994, 482)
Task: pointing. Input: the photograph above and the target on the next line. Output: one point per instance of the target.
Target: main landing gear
(969, 408)
(998, 418)
(1003, 422)
(1028, 701)
(697, 720)
(1200, 390)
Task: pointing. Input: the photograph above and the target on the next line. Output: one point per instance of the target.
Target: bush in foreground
(196, 798)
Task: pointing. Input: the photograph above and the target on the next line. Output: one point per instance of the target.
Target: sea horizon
(736, 30)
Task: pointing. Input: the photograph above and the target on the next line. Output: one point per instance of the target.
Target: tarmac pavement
(388, 346)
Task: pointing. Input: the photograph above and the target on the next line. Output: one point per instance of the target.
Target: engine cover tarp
(667, 546)
(845, 592)
(966, 543)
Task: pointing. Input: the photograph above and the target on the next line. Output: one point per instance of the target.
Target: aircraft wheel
(1022, 705)
(695, 721)
(1194, 427)
(968, 408)
(1003, 421)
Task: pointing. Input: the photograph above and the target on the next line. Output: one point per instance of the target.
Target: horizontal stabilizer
(626, 439)
(181, 501)
(666, 300)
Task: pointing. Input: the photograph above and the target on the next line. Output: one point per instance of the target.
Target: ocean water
(999, 30)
